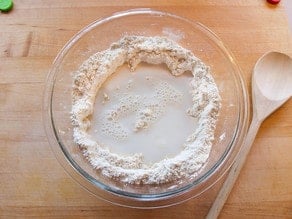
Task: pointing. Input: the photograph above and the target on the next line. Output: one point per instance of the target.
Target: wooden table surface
(32, 182)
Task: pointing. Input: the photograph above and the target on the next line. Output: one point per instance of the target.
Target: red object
(274, 2)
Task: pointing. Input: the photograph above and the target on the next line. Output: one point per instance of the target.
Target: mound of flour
(205, 107)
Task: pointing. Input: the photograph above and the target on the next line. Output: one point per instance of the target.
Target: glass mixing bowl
(231, 126)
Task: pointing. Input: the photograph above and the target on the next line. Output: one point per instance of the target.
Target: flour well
(204, 108)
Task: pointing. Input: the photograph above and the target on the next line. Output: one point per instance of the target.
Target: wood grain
(34, 185)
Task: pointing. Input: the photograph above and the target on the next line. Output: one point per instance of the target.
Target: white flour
(154, 50)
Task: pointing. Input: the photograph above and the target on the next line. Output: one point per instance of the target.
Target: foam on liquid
(144, 112)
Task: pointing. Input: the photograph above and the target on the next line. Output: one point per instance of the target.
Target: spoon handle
(234, 171)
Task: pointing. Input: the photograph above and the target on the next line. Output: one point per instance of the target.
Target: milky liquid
(150, 92)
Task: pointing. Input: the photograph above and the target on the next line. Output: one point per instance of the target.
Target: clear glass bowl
(231, 126)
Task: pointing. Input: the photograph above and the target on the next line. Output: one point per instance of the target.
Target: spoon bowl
(272, 75)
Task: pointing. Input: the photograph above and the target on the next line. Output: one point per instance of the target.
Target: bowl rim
(117, 196)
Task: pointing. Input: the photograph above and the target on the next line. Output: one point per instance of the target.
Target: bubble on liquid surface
(147, 110)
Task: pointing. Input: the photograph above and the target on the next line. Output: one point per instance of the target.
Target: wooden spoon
(271, 88)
